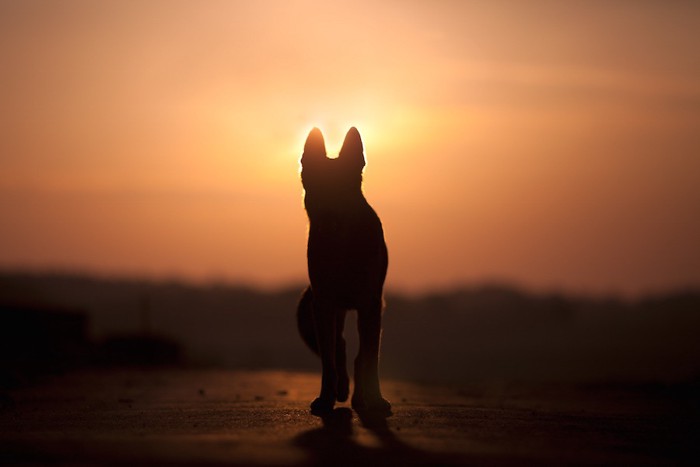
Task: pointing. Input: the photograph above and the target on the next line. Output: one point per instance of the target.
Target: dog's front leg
(341, 358)
(367, 395)
(325, 321)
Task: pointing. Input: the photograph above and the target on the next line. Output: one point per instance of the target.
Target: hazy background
(555, 145)
(481, 333)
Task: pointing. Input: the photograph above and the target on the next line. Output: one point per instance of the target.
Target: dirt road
(215, 417)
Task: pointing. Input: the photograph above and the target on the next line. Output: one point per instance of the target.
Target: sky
(547, 144)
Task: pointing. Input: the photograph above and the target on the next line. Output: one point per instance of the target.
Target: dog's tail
(305, 320)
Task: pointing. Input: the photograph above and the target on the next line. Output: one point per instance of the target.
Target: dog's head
(332, 180)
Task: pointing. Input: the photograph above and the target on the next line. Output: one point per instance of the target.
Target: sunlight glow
(165, 137)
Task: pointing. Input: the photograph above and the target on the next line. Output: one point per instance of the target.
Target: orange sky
(551, 144)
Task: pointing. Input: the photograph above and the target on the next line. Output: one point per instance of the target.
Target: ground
(261, 418)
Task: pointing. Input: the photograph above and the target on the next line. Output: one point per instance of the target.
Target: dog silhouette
(347, 262)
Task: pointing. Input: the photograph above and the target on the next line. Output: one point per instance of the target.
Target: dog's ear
(314, 148)
(352, 150)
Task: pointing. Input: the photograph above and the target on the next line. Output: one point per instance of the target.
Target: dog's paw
(322, 406)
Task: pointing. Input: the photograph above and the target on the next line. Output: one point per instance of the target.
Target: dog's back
(347, 261)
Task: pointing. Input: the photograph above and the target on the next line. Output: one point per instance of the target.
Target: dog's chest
(334, 233)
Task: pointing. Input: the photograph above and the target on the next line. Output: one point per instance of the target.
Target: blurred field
(469, 334)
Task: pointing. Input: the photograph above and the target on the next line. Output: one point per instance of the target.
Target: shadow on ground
(334, 444)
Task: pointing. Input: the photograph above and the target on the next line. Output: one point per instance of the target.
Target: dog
(347, 263)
